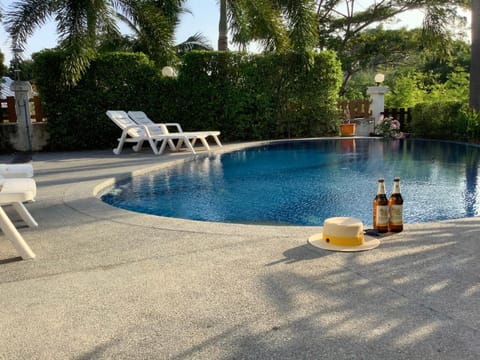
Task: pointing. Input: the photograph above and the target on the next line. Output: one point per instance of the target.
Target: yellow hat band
(343, 241)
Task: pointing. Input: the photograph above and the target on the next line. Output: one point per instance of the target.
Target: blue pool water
(305, 182)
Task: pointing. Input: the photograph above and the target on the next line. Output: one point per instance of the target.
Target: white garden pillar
(377, 101)
(22, 140)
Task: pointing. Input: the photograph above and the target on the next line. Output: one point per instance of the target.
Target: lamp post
(22, 90)
(16, 57)
(377, 97)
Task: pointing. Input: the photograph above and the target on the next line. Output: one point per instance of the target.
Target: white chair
(138, 134)
(142, 119)
(15, 192)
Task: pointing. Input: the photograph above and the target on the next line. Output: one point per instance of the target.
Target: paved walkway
(112, 284)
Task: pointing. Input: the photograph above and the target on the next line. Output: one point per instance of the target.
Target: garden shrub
(76, 116)
(253, 97)
(441, 120)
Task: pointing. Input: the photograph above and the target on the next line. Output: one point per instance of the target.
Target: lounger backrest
(142, 119)
(16, 170)
(121, 119)
(17, 190)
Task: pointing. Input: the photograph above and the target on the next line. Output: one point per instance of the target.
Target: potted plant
(347, 127)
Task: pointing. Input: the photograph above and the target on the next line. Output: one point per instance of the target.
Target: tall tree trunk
(475, 62)
(223, 28)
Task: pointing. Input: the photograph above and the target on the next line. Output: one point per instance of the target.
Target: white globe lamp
(168, 71)
(379, 79)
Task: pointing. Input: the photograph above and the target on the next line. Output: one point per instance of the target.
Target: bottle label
(382, 215)
(396, 214)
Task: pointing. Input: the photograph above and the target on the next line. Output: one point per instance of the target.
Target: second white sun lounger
(141, 118)
(138, 134)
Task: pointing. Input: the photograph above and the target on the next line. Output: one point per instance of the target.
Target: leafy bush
(76, 116)
(405, 91)
(441, 120)
(260, 96)
(469, 123)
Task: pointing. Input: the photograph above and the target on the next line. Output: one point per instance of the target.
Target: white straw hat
(343, 234)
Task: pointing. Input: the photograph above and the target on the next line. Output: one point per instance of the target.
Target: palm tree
(223, 27)
(79, 23)
(277, 24)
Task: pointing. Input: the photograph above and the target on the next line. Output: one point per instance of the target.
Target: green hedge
(5, 132)
(253, 97)
(76, 116)
(447, 120)
(247, 97)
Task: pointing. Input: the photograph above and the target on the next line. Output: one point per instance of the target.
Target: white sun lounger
(16, 170)
(138, 134)
(24, 170)
(162, 128)
(15, 192)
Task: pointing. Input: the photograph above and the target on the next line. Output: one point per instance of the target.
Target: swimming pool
(305, 182)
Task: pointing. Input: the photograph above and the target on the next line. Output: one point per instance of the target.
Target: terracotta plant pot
(347, 129)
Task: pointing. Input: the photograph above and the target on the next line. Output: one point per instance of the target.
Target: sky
(203, 18)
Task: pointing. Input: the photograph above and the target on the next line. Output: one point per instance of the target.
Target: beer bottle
(395, 204)
(380, 208)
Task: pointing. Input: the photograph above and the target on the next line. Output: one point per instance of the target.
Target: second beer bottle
(380, 208)
(395, 204)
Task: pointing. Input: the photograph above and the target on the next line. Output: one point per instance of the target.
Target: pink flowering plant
(388, 127)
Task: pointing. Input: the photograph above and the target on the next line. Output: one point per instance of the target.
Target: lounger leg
(139, 145)
(14, 236)
(205, 143)
(153, 145)
(171, 145)
(162, 147)
(189, 146)
(25, 215)
(119, 148)
(179, 144)
(217, 140)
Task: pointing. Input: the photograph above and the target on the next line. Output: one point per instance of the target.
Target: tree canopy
(80, 22)
(355, 32)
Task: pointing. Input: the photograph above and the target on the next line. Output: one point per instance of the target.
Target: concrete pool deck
(113, 284)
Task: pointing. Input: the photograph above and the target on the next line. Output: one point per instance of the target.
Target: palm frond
(25, 17)
(302, 24)
(195, 42)
(80, 52)
(435, 29)
(257, 20)
(77, 25)
(157, 32)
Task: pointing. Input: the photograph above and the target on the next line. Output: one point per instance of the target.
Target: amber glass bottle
(380, 208)
(395, 204)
